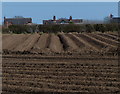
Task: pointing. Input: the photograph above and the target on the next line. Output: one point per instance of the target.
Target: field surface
(84, 63)
(60, 43)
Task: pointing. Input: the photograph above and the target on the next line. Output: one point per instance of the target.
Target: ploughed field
(60, 63)
(28, 74)
(73, 43)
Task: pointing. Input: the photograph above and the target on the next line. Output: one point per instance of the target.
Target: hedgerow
(55, 28)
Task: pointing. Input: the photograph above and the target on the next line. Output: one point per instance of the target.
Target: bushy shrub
(89, 28)
(106, 27)
(5, 30)
(19, 29)
(49, 28)
(73, 28)
(61, 28)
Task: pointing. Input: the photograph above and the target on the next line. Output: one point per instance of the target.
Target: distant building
(114, 19)
(62, 21)
(17, 21)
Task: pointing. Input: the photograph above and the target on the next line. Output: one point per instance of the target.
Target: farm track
(84, 63)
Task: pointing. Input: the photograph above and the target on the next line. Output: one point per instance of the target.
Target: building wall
(16, 21)
(64, 21)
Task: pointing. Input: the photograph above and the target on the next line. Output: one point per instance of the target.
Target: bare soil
(41, 44)
(60, 43)
(28, 44)
(35, 74)
(60, 63)
(55, 44)
(109, 36)
(68, 43)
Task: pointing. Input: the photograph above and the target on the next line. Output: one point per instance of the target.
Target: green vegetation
(61, 28)
(18, 29)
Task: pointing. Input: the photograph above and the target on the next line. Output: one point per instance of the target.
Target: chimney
(70, 18)
(111, 16)
(54, 18)
(4, 20)
(4, 17)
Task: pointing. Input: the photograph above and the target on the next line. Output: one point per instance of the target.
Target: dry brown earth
(86, 63)
(55, 44)
(34, 74)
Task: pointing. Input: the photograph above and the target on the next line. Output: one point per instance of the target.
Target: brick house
(16, 21)
(63, 21)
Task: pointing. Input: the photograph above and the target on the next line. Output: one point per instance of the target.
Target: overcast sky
(39, 11)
